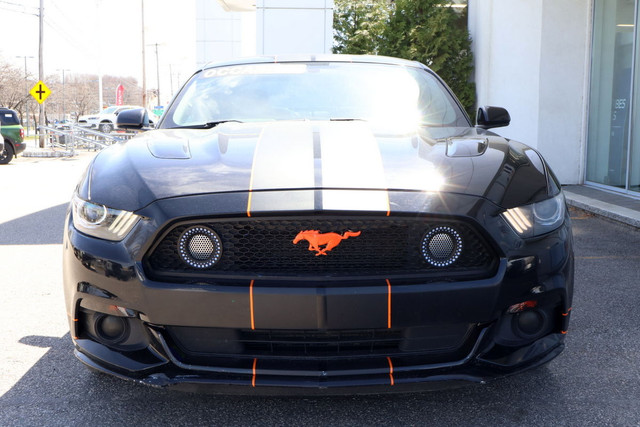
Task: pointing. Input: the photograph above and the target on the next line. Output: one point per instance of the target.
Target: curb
(607, 210)
(46, 153)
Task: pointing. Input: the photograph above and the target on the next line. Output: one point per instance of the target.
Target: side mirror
(492, 117)
(134, 119)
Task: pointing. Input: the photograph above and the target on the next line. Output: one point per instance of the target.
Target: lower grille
(374, 246)
(443, 339)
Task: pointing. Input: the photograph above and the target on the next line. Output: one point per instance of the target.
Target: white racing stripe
(283, 160)
(351, 160)
(342, 161)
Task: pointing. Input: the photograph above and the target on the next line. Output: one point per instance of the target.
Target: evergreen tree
(427, 31)
(431, 32)
(358, 25)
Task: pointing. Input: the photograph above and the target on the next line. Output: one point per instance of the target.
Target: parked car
(63, 124)
(12, 135)
(106, 119)
(331, 223)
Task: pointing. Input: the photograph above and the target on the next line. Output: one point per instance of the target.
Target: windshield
(8, 118)
(314, 91)
(109, 110)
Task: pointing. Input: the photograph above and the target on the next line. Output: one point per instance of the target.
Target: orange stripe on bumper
(253, 379)
(390, 370)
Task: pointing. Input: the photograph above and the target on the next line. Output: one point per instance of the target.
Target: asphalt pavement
(595, 382)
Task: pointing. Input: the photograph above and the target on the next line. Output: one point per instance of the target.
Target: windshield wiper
(207, 125)
(347, 119)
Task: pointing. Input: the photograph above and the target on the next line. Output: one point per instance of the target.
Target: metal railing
(79, 137)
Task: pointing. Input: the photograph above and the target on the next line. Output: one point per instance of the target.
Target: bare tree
(12, 93)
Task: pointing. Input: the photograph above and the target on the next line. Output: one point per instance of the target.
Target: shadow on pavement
(40, 228)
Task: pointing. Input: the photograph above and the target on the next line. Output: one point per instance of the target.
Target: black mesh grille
(265, 247)
(441, 339)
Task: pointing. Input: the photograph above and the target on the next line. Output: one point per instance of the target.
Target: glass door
(612, 69)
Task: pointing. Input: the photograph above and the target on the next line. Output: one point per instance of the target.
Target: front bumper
(375, 335)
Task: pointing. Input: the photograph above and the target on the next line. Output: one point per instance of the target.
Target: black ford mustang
(317, 223)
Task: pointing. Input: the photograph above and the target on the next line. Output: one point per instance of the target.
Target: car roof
(365, 59)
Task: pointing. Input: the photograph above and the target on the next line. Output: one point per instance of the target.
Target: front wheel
(105, 127)
(7, 154)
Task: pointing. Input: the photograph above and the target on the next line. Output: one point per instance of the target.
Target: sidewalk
(603, 203)
(33, 150)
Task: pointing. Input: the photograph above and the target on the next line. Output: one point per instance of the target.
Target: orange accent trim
(253, 380)
(564, 332)
(390, 370)
(249, 203)
(388, 304)
(75, 320)
(567, 313)
(253, 322)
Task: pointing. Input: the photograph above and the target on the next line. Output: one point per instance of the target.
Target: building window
(612, 148)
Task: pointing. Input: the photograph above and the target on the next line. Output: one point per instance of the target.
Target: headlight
(537, 218)
(101, 221)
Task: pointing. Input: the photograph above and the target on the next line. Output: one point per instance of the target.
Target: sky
(103, 36)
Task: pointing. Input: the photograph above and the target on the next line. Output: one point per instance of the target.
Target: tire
(105, 127)
(7, 154)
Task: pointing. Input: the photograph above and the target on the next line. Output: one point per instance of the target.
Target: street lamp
(26, 88)
(64, 111)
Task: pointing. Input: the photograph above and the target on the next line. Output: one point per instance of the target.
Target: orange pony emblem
(317, 239)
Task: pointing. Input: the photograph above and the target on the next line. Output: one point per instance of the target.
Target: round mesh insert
(200, 247)
(442, 246)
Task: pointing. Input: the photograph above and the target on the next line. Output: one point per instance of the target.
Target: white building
(233, 28)
(566, 71)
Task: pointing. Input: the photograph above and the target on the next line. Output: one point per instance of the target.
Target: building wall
(228, 29)
(294, 26)
(532, 57)
(222, 34)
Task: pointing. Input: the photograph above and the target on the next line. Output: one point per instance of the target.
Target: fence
(78, 137)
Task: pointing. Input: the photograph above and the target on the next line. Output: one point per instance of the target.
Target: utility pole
(41, 71)
(144, 63)
(26, 89)
(100, 53)
(158, 74)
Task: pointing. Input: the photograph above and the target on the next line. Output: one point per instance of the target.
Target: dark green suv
(12, 133)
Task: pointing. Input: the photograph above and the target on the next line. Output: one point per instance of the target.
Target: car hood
(307, 155)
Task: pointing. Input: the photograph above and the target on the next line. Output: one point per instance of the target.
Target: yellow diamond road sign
(40, 92)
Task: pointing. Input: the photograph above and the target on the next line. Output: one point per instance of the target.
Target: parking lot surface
(596, 381)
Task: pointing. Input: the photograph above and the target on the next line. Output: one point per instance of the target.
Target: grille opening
(320, 344)
(264, 246)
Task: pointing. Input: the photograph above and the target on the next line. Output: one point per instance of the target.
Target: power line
(18, 11)
(66, 36)
(13, 5)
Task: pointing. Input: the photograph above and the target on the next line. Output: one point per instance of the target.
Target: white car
(105, 120)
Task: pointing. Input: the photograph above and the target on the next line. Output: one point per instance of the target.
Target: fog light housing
(441, 246)
(530, 323)
(111, 329)
(200, 247)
